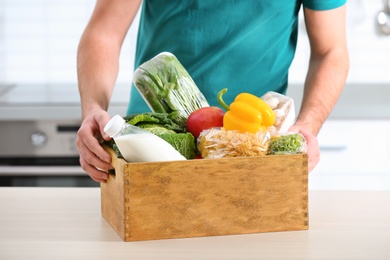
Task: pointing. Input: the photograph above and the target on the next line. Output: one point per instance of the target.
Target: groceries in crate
(184, 120)
(259, 127)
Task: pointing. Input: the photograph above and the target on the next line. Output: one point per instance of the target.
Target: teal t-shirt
(245, 46)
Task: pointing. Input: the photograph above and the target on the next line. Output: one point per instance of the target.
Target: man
(247, 46)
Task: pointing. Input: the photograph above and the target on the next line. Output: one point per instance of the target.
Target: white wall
(369, 51)
(39, 38)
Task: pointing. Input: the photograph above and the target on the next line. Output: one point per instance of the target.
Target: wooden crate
(208, 197)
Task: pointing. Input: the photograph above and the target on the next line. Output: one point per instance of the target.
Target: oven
(38, 131)
(40, 153)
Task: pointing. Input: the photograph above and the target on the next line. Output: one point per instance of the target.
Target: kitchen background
(38, 86)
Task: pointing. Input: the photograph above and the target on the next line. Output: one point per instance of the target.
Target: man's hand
(93, 158)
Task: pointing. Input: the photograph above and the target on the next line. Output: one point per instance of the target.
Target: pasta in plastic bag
(218, 143)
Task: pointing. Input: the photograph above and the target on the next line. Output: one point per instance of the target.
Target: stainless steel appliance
(38, 130)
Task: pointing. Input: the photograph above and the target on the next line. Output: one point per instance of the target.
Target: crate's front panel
(215, 197)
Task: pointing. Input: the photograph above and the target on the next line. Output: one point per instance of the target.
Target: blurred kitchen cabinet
(355, 154)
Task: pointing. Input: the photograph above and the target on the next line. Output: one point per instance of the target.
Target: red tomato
(204, 118)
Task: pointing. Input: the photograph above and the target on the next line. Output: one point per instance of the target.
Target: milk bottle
(138, 145)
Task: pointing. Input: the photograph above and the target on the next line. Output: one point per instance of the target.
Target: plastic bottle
(138, 145)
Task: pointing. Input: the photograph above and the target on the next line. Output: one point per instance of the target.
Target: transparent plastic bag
(219, 143)
(167, 87)
(284, 109)
(287, 143)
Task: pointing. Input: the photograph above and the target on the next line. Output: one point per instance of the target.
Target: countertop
(357, 101)
(66, 223)
(29, 102)
(62, 101)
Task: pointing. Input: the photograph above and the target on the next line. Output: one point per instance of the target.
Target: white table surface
(66, 223)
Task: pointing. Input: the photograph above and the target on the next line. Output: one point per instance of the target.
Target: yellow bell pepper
(248, 113)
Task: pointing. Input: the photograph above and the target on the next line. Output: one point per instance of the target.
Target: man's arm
(328, 67)
(326, 76)
(97, 70)
(99, 50)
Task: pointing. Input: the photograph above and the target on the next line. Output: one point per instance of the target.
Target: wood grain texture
(208, 197)
(112, 196)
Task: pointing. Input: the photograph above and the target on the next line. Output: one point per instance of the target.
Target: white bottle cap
(114, 126)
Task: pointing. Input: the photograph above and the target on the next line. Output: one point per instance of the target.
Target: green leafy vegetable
(169, 121)
(287, 144)
(182, 142)
(167, 87)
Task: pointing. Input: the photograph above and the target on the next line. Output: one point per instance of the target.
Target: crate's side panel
(217, 197)
(112, 196)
